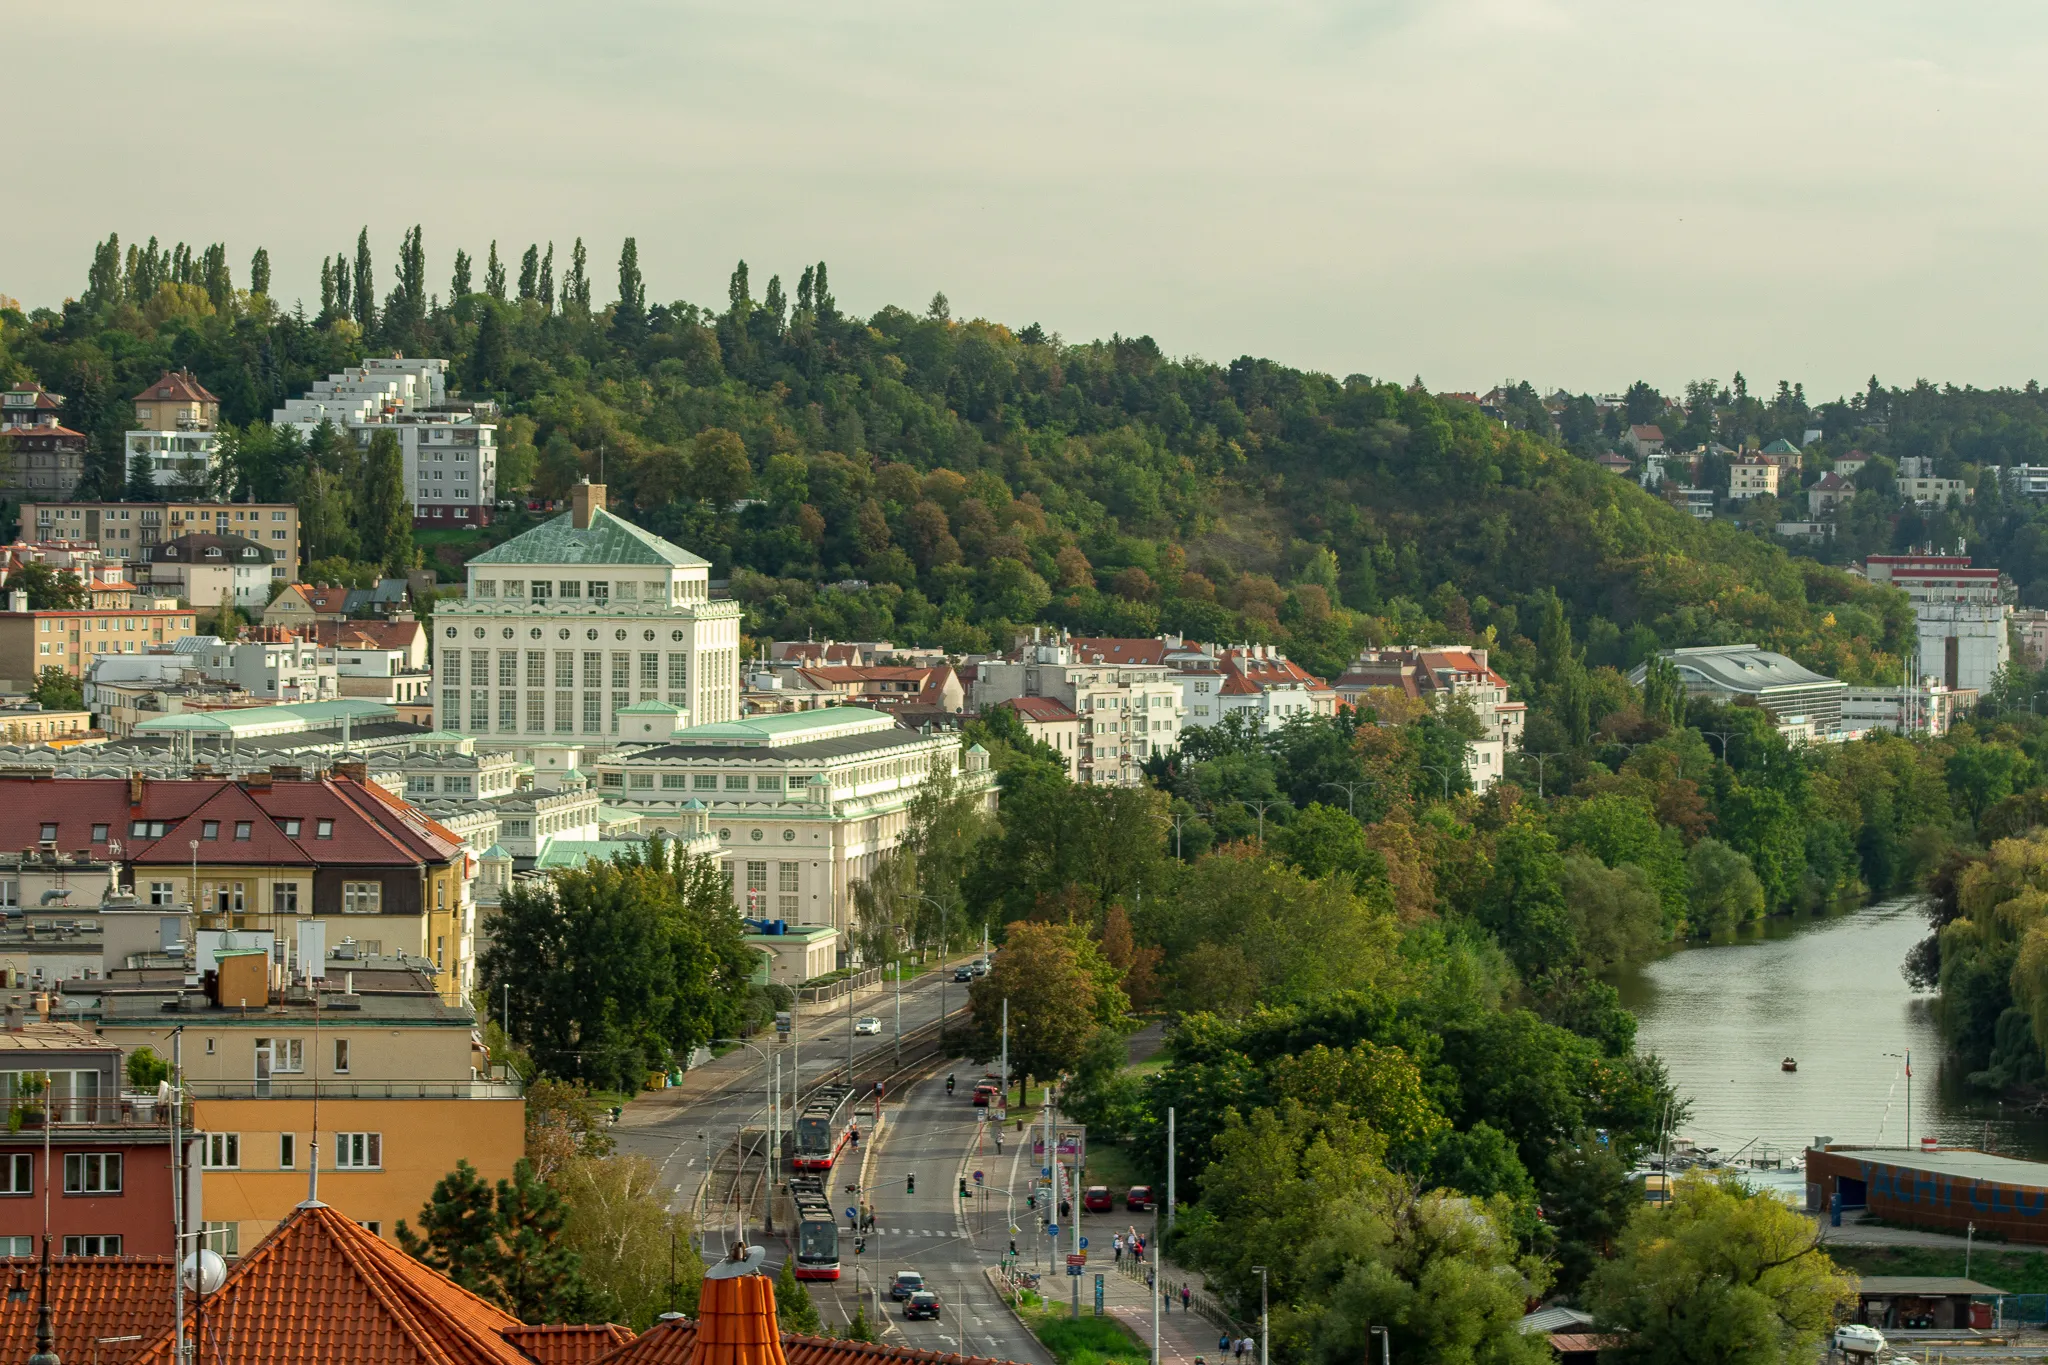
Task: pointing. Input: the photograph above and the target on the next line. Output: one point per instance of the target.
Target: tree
(366, 286)
(259, 271)
(387, 512)
(459, 282)
(56, 690)
(720, 472)
(1719, 1274)
(459, 1233)
(563, 1124)
(494, 273)
(1725, 889)
(1588, 1195)
(47, 588)
(625, 1239)
(1059, 989)
(794, 1311)
(576, 284)
(629, 319)
(146, 1070)
(529, 272)
(1615, 912)
(859, 1329)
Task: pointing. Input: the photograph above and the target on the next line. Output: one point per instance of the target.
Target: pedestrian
(1118, 1246)
(1251, 1348)
(1184, 1297)
(1223, 1343)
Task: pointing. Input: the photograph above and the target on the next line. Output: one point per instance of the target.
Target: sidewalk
(1182, 1335)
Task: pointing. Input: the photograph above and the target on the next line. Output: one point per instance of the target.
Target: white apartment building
(288, 670)
(1442, 673)
(451, 458)
(178, 460)
(1254, 680)
(1127, 698)
(566, 626)
(1918, 483)
(802, 805)
(1964, 616)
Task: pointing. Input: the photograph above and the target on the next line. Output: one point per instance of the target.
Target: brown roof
(176, 386)
(569, 1343)
(363, 634)
(1044, 710)
(1647, 432)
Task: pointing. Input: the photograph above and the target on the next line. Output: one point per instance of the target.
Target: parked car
(963, 973)
(1854, 1338)
(985, 1093)
(1139, 1199)
(906, 1283)
(922, 1304)
(1097, 1199)
(867, 1024)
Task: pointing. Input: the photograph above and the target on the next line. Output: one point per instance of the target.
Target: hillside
(973, 476)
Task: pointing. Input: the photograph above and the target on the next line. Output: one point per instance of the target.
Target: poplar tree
(386, 514)
(547, 280)
(629, 319)
(529, 272)
(458, 285)
(576, 288)
(103, 287)
(259, 271)
(494, 274)
(365, 281)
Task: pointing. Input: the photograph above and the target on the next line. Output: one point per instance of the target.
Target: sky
(1577, 192)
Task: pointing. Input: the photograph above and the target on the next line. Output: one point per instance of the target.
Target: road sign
(1084, 1244)
(1045, 1170)
(977, 1177)
(1077, 1258)
(1052, 1229)
(853, 1213)
(1073, 1272)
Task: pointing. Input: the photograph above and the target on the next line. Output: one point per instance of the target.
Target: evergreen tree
(344, 294)
(141, 486)
(259, 271)
(822, 297)
(458, 286)
(629, 319)
(547, 280)
(491, 356)
(494, 274)
(406, 308)
(503, 1246)
(387, 515)
(365, 282)
(860, 1329)
(794, 1311)
(214, 275)
(529, 273)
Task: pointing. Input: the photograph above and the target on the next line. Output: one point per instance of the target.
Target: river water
(1827, 991)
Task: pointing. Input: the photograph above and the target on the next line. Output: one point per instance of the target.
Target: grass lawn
(2018, 1272)
(1086, 1340)
(1109, 1164)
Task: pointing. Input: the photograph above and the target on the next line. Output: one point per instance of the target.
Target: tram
(824, 1127)
(817, 1231)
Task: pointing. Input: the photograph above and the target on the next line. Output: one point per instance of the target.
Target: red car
(985, 1093)
(1139, 1199)
(1097, 1199)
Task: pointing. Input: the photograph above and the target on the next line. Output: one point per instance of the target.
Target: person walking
(1184, 1297)
(1223, 1343)
(1251, 1348)
(1118, 1246)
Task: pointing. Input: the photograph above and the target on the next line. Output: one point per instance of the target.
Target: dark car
(963, 973)
(922, 1304)
(906, 1283)
(1097, 1199)
(1139, 1199)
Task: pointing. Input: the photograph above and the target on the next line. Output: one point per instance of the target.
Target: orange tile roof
(91, 1298)
(175, 386)
(569, 1343)
(321, 1288)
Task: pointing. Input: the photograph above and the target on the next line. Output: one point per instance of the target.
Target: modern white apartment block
(451, 458)
(568, 625)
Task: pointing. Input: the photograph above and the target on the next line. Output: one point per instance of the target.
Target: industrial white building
(1964, 616)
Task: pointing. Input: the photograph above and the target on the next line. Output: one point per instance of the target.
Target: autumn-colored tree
(1059, 988)
(1139, 966)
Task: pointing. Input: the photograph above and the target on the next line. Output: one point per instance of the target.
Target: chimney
(135, 789)
(359, 772)
(17, 600)
(584, 498)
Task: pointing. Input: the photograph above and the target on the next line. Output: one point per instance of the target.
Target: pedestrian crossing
(914, 1232)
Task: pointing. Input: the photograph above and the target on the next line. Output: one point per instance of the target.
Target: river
(1827, 991)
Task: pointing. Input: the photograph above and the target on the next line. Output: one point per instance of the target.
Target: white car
(867, 1024)
(1853, 1338)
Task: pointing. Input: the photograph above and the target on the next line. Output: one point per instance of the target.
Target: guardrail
(846, 985)
(354, 1090)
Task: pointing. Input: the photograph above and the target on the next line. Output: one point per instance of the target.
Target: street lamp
(1445, 774)
(1175, 820)
(912, 895)
(774, 1125)
(1539, 768)
(1350, 790)
(1387, 1351)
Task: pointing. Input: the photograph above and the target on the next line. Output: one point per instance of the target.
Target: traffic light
(1031, 1200)
(910, 1185)
(963, 1187)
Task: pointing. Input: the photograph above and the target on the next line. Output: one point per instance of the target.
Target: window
(508, 668)
(487, 587)
(242, 828)
(613, 780)
(341, 1056)
(93, 1244)
(650, 670)
(220, 1151)
(735, 782)
(323, 829)
(536, 668)
(565, 668)
(92, 1173)
(17, 1246)
(287, 1154)
(10, 891)
(291, 828)
(286, 1056)
(593, 712)
(99, 834)
(768, 784)
(358, 1151)
(209, 829)
(18, 1174)
(540, 590)
(704, 782)
(598, 592)
(49, 833)
(361, 898)
(642, 782)
(672, 781)
(786, 876)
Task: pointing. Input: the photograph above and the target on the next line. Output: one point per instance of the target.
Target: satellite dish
(205, 1271)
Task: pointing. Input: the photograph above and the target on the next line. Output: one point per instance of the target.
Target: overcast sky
(1577, 192)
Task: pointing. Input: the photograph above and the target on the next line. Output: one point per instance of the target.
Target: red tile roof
(1042, 710)
(1647, 432)
(91, 1298)
(176, 386)
(371, 827)
(570, 1343)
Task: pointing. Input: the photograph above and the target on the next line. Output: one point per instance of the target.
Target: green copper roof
(581, 852)
(1781, 446)
(650, 708)
(764, 729)
(607, 540)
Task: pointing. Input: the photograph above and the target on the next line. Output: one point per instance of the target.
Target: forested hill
(972, 476)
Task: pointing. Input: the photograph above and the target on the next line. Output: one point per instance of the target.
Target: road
(927, 1133)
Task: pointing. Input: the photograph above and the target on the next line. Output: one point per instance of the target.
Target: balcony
(348, 1089)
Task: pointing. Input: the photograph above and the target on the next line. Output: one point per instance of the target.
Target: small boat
(1789, 1064)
